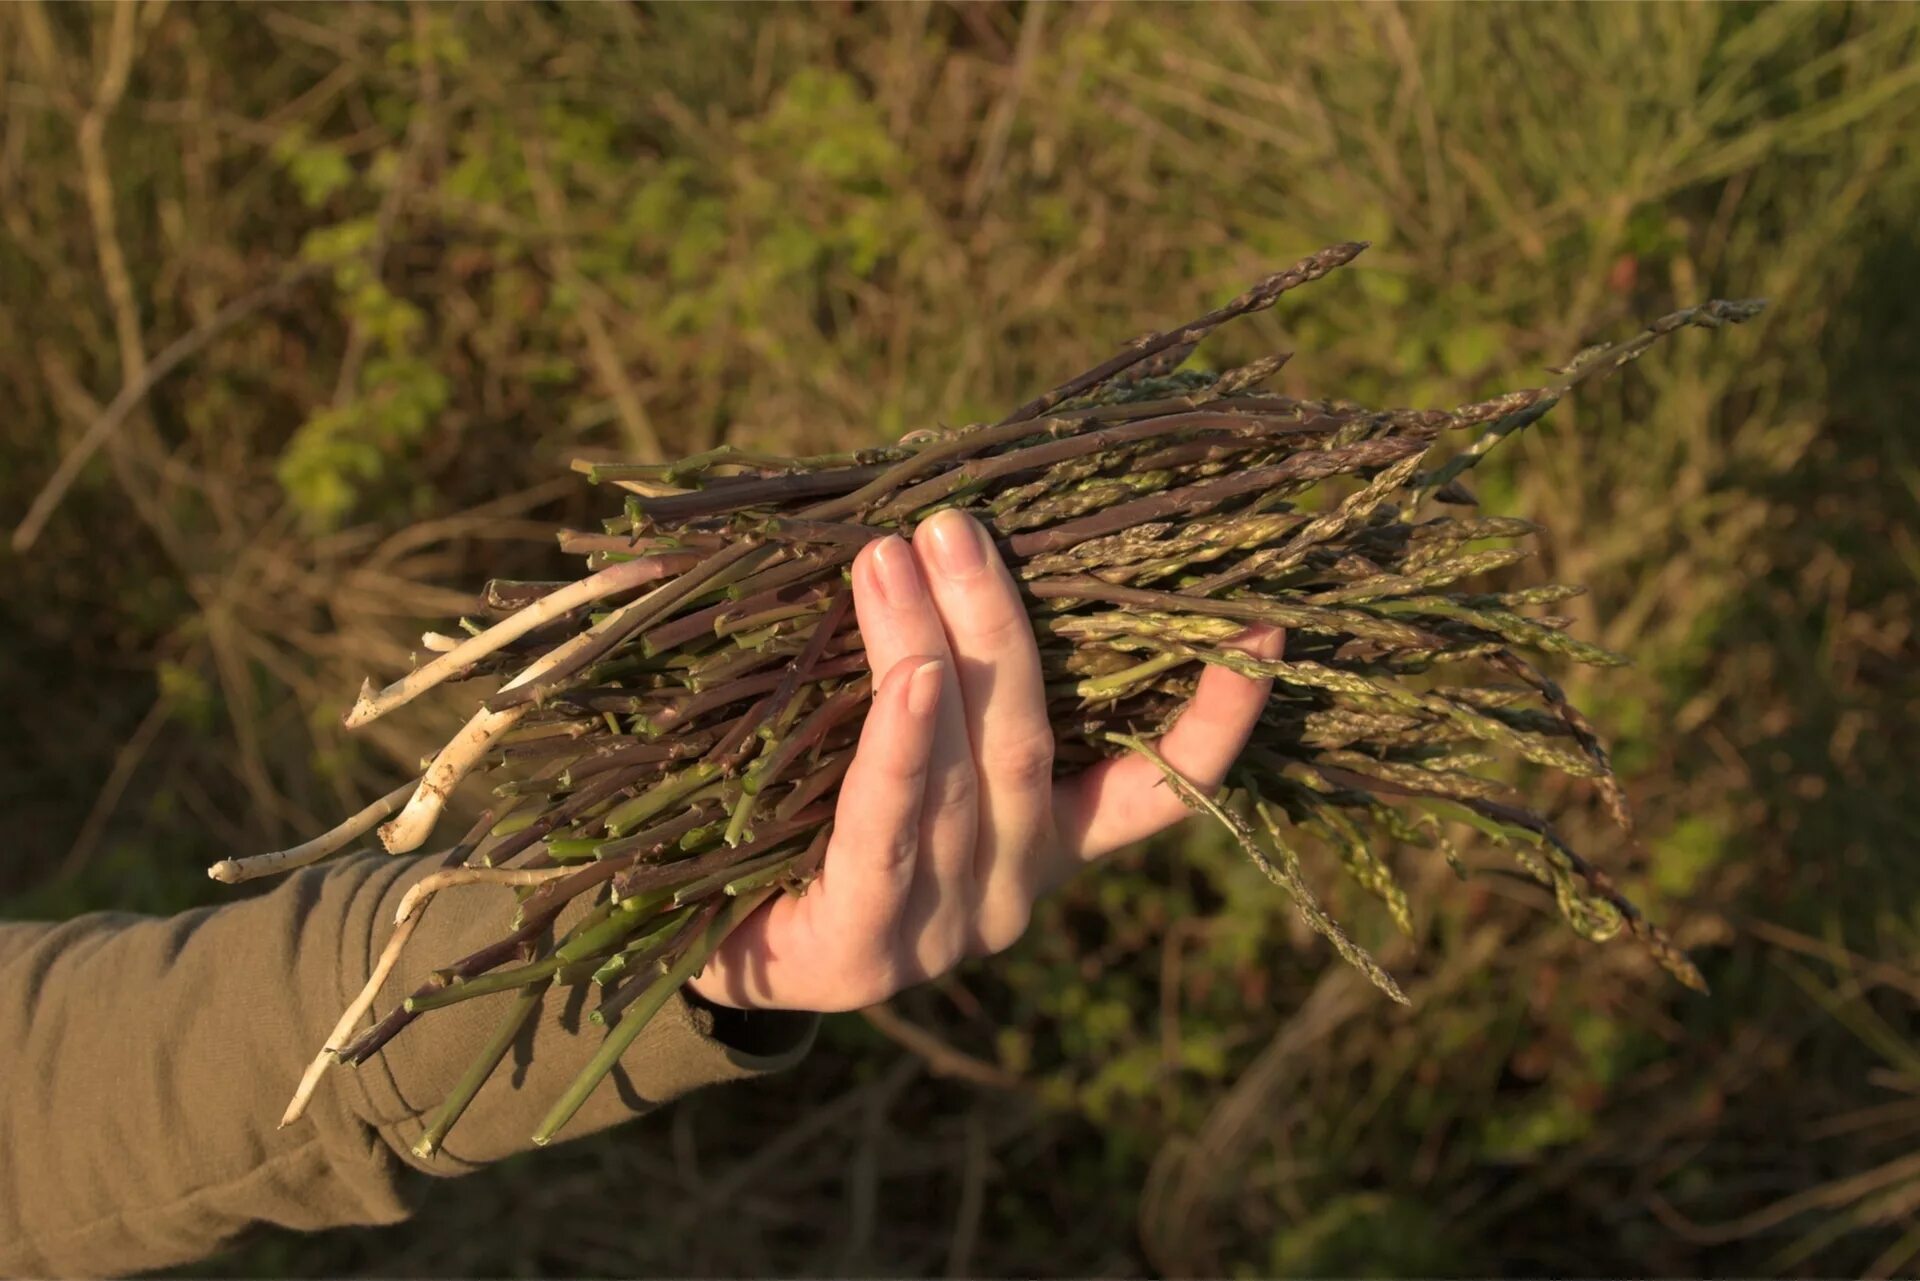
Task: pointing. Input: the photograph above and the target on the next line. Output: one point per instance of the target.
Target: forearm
(148, 1060)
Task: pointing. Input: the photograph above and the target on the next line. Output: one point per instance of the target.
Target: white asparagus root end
(372, 703)
(349, 1019)
(427, 886)
(232, 871)
(466, 748)
(455, 761)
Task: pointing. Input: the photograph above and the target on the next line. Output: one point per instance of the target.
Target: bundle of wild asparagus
(670, 730)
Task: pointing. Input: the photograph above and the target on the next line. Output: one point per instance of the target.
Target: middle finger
(998, 664)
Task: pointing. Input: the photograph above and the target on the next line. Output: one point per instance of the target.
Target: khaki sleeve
(145, 1062)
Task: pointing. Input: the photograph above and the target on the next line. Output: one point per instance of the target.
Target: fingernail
(923, 693)
(959, 545)
(1269, 644)
(895, 574)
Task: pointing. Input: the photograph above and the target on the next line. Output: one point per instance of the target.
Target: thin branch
(639, 430)
(125, 762)
(942, 1059)
(172, 357)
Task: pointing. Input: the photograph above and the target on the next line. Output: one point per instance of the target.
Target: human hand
(950, 823)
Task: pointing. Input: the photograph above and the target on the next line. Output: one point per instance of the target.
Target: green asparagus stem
(642, 1011)
(477, 1073)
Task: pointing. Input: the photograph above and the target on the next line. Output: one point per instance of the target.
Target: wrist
(706, 990)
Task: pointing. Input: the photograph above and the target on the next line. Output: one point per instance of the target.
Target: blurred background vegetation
(347, 287)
